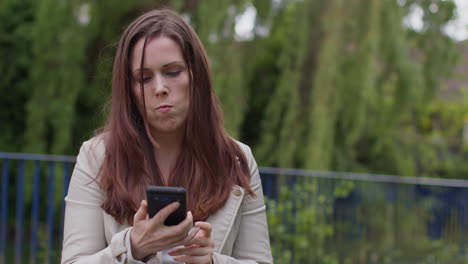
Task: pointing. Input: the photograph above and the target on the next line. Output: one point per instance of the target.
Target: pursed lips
(164, 108)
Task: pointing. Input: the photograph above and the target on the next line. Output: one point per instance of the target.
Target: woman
(165, 128)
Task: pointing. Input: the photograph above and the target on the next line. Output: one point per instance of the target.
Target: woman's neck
(166, 155)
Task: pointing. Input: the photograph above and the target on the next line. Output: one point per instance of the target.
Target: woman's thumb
(141, 214)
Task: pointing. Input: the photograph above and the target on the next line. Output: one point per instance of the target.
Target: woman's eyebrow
(164, 66)
(172, 63)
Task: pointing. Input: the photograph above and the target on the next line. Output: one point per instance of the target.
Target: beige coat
(239, 229)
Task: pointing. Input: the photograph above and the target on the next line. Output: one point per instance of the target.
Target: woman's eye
(173, 73)
(143, 79)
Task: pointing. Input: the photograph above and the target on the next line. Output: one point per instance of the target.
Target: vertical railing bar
(446, 215)
(19, 212)
(394, 193)
(268, 179)
(66, 180)
(275, 187)
(4, 211)
(293, 214)
(67, 177)
(284, 214)
(462, 220)
(35, 210)
(328, 192)
(315, 199)
(50, 211)
(464, 229)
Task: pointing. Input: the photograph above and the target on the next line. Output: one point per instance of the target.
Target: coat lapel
(223, 220)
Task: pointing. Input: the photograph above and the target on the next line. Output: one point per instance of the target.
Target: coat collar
(223, 220)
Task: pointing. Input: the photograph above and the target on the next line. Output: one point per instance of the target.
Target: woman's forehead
(158, 51)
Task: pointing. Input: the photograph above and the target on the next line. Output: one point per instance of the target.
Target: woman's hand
(150, 235)
(201, 248)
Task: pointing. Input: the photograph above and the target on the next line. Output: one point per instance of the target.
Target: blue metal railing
(29, 199)
(342, 217)
(4, 210)
(363, 218)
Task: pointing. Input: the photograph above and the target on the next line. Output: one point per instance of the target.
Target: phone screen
(159, 197)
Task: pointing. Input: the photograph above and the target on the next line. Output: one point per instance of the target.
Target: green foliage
(297, 225)
(57, 75)
(279, 125)
(444, 123)
(216, 31)
(318, 91)
(343, 221)
(15, 51)
(325, 85)
(327, 92)
(345, 94)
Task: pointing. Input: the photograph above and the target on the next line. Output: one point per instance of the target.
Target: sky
(457, 29)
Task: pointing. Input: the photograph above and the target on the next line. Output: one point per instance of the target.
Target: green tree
(15, 50)
(58, 48)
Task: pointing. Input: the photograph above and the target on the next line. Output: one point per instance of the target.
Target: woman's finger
(192, 234)
(190, 250)
(205, 227)
(183, 228)
(200, 241)
(186, 239)
(141, 213)
(182, 233)
(162, 215)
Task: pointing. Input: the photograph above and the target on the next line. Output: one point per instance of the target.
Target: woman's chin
(166, 129)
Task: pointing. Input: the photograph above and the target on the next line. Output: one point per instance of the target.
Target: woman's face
(165, 82)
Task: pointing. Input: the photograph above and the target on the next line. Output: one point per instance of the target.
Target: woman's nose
(160, 86)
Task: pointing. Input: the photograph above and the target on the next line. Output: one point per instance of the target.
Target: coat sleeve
(84, 238)
(252, 244)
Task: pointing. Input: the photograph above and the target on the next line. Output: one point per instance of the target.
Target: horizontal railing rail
(40, 157)
(367, 177)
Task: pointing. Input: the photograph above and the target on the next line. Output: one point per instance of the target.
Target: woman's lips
(164, 108)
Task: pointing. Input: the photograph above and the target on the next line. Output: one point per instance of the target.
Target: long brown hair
(210, 162)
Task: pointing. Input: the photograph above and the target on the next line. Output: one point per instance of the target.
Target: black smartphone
(159, 197)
